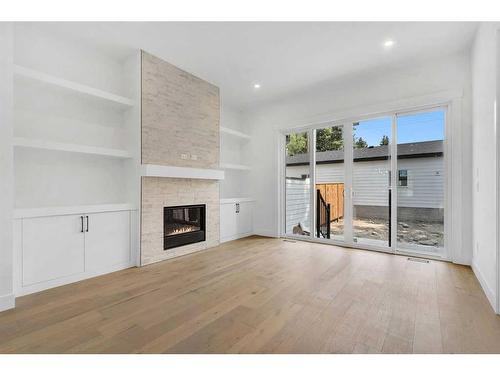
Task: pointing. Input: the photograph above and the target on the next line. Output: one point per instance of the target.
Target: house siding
(370, 184)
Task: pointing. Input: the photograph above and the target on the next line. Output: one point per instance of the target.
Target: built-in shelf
(239, 167)
(69, 147)
(235, 200)
(235, 133)
(153, 170)
(72, 86)
(20, 213)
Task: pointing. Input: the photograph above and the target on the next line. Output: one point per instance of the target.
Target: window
(403, 177)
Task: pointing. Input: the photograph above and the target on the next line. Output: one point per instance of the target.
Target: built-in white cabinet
(53, 247)
(243, 218)
(107, 240)
(76, 145)
(235, 219)
(227, 221)
(60, 249)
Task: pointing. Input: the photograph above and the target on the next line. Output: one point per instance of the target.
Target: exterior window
(403, 177)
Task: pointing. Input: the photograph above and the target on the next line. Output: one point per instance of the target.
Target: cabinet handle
(87, 223)
(81, 218)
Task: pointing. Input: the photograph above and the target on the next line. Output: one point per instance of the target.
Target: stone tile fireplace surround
(180, 127)
(160, 192)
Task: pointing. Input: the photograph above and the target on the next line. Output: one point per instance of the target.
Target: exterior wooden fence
(333, 193)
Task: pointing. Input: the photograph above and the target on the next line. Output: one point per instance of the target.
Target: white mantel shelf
(153, 170)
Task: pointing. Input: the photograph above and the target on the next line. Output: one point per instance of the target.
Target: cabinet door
(107, 240)
(244, 218)
(53, 247)
(227, 221)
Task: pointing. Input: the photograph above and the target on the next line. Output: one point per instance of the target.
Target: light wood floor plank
(262, 295)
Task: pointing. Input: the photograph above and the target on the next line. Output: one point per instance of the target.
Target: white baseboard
(7, 302)
(266, 233)
(38, 287)
(490, 293)
(235, 237)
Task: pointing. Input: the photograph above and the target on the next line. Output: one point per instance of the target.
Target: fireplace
(183, 225)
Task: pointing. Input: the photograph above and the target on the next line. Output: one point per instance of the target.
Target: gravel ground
(413, 232)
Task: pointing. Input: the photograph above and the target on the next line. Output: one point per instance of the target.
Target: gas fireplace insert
(183, 225)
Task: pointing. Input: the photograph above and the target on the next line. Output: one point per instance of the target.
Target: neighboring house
(420, 181)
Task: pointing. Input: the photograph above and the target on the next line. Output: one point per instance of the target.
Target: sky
(420, 127)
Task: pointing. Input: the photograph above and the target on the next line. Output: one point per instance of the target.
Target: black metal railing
(322, 216)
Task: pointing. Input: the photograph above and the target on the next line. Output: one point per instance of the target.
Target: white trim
(235, 200)
(266, 233)
(72, 86)
(497, 167)
(70, 210)
(7, 302)
(44, 285)
(281, 191)
(153, 170)
(394, 181)
(70, 147)
(311, 135)
(235, 237)
(234, 133)
(488, 291)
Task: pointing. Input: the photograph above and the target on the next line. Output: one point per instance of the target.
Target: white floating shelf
(69, 147)
(235, 200)
(72, 86)
(234, 133)
(239, 167)
(153, 170)
(20, 213)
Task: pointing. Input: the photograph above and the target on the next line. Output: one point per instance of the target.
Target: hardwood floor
(261, 295)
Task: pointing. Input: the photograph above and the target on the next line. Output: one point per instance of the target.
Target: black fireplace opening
(183, 225)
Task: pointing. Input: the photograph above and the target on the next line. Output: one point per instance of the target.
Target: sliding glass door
(298, 207)
(371, 182)
(329, 182)
(375, 183)
(421, 181)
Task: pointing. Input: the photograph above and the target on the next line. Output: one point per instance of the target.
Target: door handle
(81, 218)
(87, 223)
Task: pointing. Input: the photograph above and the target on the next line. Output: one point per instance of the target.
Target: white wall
(6, 166)
(484, 97)
(358, 94)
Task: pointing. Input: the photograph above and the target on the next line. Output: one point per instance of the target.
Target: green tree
(329, 139)
(384, 141)
(296, 143)
(360, 143)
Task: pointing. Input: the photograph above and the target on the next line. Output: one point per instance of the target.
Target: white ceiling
(282, 57)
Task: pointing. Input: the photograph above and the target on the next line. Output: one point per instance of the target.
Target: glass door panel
(298, 208)
(421, 181)
(329, 180)
(371, 181)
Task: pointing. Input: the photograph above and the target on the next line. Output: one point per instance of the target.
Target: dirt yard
(412, 232)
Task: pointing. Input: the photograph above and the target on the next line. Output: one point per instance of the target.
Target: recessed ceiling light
(389, 43)
(256, 86)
